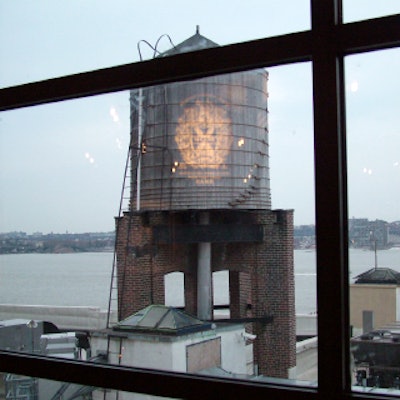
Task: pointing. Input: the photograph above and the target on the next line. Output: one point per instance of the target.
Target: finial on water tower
(197, 29)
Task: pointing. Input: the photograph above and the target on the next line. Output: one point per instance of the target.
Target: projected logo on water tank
(204, 139)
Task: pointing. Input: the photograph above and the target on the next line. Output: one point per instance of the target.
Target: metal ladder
(124, 205)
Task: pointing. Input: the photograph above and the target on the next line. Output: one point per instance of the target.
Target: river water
(83, 279)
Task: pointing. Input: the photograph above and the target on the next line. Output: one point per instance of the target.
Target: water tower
(200, 202)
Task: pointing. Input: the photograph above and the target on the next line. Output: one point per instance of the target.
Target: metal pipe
(204, 275)
(140, 138)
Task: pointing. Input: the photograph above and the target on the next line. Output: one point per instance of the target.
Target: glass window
(292, 172)
(41, 40)
(355, 10)
(63, 154)
(292, 187)
(61, 167)
(337, 355)
(374, 237)
(214, 164)
(26, 387)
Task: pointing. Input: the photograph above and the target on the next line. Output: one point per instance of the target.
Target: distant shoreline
(21, 243)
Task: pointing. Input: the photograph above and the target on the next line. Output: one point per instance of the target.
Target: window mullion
(376, 34)
(159, 383)
(331, 201)
(258, 53)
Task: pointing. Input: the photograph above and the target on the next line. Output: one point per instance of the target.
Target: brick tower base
(255, 246)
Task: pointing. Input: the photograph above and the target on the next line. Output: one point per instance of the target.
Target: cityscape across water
(83, 279)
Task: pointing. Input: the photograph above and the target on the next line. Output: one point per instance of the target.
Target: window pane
(292, 187)
(355, 10)
(217, 220)
(61, 165)
(45, 39)
(374, 195)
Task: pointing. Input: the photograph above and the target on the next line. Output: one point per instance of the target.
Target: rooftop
(195, 42)
(162, 319)
(380, 275)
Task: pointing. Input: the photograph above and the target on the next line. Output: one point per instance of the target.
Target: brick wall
(261, 276)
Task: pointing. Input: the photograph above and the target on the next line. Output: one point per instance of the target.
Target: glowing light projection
(204, 139)
(201, 144)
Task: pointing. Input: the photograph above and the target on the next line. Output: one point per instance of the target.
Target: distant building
(41, 337)
(375, 295)
(374, 316)
(366, 234)
(376, 357)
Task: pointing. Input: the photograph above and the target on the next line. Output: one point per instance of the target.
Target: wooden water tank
(201, 144)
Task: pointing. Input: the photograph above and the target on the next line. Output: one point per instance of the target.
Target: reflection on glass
(17, 387)
(374, 195)
(208, 277)
(129, 32)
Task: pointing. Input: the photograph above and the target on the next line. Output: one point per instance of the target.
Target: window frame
(325, 45)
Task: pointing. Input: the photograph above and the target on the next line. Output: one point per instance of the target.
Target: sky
(62, 165)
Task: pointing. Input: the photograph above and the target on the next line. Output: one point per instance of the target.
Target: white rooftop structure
(164, 338)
